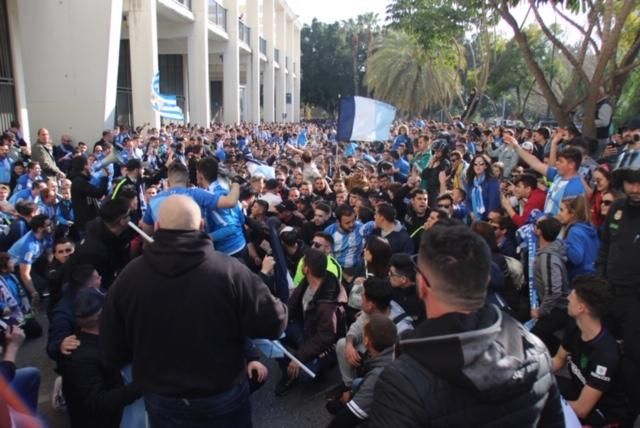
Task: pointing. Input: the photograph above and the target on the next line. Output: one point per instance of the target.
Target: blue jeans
(26, 384)
(229, 409)
(295, 338)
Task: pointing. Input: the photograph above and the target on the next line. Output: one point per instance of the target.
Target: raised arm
(529, 158)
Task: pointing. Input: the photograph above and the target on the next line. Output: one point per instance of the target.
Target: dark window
(124, 101)
(172, 77)
(7, 82)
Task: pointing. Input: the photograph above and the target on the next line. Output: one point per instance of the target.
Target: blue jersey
(561, 189)
(6, 166)
(205, 200)
(225, 225)
(25, 182)
(27, 249)
(347, 246)
(23, 195)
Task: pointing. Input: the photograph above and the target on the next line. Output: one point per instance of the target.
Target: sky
(338, 10)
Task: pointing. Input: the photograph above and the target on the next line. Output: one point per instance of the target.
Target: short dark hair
(572, 154)
(387, 212)
(403, 265)
(344, 210)
(113, 210)
(324, 236)
(527, 180)
(459, 262)
(177, 172)
(416, 192)
(322, 206)
(26, 208)
(264, 204)
(316, 261)
(485, 230)
(549, 227)
(208, 167)
(381, 332)
(80, 274)
(61, 241)
(444, 196)
(378, 291)
(38, 221)
(594, 292)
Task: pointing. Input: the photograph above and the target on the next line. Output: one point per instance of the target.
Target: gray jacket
(551, 279)
(360, 404)
(506, 155)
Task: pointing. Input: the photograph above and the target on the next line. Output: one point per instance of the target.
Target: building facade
(78, 66)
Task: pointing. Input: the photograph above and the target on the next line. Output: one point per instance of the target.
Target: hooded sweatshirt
(551, 278)
(181, 314)
(477, 369)
(582, 244)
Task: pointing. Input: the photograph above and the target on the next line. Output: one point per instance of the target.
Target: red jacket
(536, 200)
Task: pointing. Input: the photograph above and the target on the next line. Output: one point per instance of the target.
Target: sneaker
(336, 392)
(57, 399)
(284, 385)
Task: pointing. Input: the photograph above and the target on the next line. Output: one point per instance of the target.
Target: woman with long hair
(580, 237)
(439, 162)
(377, 253)
(603, 183)
(483, 189)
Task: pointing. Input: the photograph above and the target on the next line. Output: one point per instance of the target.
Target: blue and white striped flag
(364, 119)
(164, 104)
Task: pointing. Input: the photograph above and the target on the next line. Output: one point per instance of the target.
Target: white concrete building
(80, 66)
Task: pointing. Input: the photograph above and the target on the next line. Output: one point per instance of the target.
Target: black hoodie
(459, 370)
(181, 314)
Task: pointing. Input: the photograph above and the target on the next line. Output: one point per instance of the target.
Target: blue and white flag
(164, 104)
(364, 119)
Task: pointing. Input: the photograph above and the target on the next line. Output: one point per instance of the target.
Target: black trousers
(548, 326)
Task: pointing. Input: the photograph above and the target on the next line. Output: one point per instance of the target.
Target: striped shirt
(347, 246)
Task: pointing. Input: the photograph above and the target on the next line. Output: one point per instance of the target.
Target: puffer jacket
(481, 369)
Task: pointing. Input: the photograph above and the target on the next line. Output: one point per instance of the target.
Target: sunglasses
(606, 203)
(445, 206)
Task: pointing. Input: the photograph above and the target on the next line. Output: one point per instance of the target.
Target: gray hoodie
(551, 278)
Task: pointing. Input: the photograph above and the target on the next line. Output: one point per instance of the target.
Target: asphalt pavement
(303, 406)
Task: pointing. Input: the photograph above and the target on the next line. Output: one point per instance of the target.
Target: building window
(124, 100)
(7, 82)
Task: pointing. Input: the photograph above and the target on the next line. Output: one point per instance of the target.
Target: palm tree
(352, 29)
(401, 72)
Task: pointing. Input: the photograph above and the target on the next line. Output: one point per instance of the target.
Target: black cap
(286, 206)
(88, 302)
(633, 123)
(133, 164)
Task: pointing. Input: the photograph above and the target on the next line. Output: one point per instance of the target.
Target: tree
(326, 65)
(602, 37)
(401, 72)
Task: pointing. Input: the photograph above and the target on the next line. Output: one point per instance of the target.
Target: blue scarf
(477, 203)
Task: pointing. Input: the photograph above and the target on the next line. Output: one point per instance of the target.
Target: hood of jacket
(383, 359)
(486, 352)
(585, 230)
(175, 252)
(556, 248)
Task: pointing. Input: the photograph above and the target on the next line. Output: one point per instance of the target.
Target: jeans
(230, 409)
(295, 338)
(26, 384)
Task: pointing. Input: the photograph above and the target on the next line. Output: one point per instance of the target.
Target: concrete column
(198, 65)
(298, 79)
(18, 71)
(253, 66)
(281, 44)
(66, 65)
(231, 67)
(268, 85)
(290, 53)
(143, 43)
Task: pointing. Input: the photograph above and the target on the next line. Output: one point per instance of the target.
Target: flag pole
(292, 358)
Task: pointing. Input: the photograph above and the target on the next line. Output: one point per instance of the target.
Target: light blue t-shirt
(560, 189)
(205, 200)
(27, 249)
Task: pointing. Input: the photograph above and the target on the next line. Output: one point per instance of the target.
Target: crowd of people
(453, 273)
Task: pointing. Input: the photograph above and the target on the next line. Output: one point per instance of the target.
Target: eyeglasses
(606, 203)
(444, 206)
(414, 260)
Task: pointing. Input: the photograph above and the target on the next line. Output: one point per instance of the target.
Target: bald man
(180, 314)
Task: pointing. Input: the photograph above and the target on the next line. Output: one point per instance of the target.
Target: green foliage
(403, 73)
(327, 70)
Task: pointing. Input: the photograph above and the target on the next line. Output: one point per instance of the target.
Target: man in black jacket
(94, 392)
(467, 364)
(84, 196)
(181, 314)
